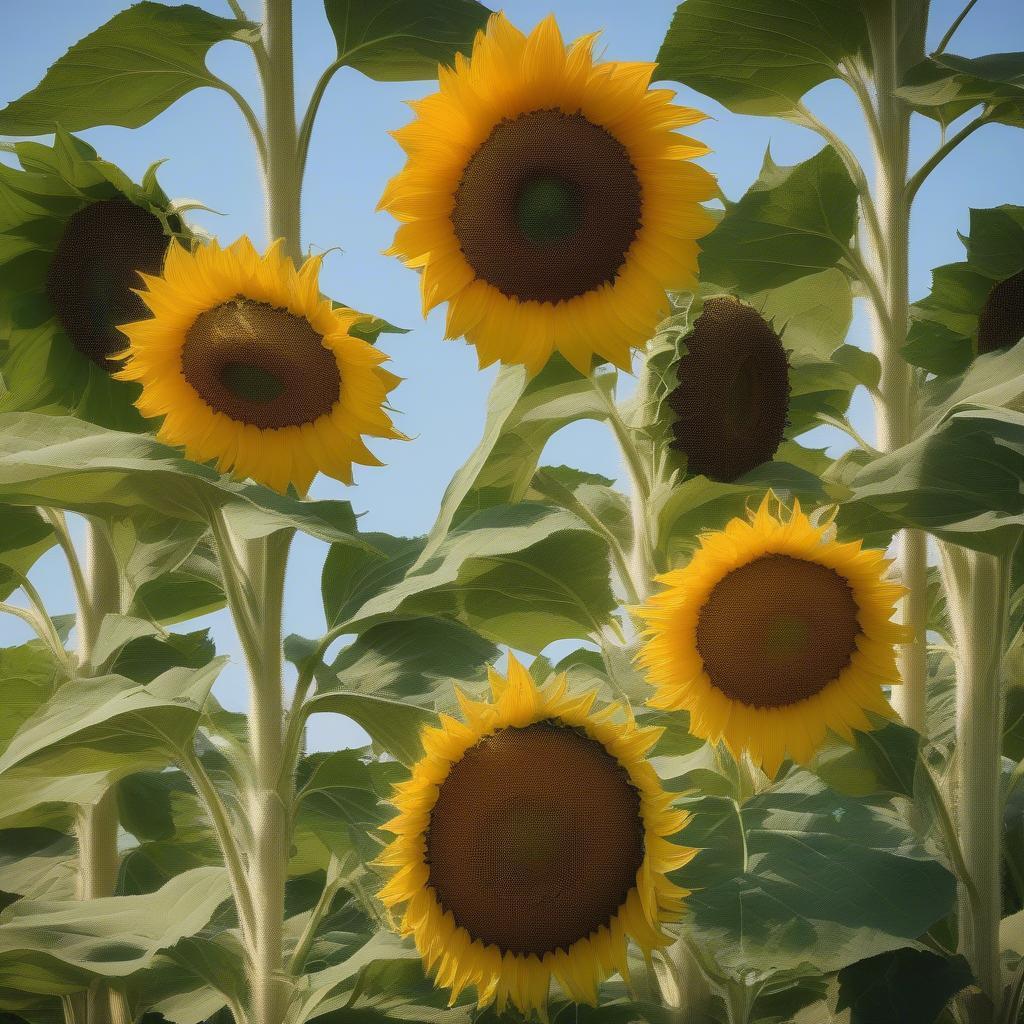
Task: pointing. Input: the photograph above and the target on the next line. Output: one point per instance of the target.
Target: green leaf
(522, 575)
(880, 761)
(29, 677)
(411, 658)
(812, 314)
(393, 725)
(403, 40)
(792, 222)
(945, 86)
(763, 902)
(24, 537)
(522, 416)
(113, 723)
(110, 937)
(70, 464)
(125, 72)
(148, 657)
(351, 576)
(144, 803)
(904, 986)
(32, 799)
(759, 56)
(961, 481)
(38, 863)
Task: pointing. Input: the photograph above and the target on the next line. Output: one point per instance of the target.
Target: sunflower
(251, 366)
(75, 232)
(772, 634)
(731, 402)
(530, 844)
(549, 200)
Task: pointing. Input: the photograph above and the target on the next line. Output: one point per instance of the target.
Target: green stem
(99, 594)
(977, 586)
(308, 120)
(951, 31)
(896, 32)
(332, 884)
(283, 182)
(918, 178)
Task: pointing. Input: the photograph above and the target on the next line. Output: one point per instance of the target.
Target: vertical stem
(282, 184)
(98, 857)
(896, 30)
(978, 598)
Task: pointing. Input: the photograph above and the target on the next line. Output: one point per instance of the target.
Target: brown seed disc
(260, 364)
(733, 393)
(1001, 323)
(95, 266)
(535, 839)
(777, 630)
(547, 207)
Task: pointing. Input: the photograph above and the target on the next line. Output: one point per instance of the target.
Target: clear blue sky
(443, 398)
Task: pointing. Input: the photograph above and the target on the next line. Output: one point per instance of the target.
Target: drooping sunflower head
(530, 844)
(773, 634)
(731, 402)
(1001, 321)
(249, 365)
(75, 234)
(549, 200)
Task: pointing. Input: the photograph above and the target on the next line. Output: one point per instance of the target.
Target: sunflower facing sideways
(530, 844)
(773, 634)
(249, 365)
(549, 200)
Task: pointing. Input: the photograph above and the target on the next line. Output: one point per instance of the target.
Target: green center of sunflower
(251, 383)
(548, 209)
(260, 364)
(535, 839)
(777, 630)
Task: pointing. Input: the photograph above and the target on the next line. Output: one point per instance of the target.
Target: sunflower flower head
(530, 844)
(773, 634)
(549, 199)
(250, 366)
(732, 398)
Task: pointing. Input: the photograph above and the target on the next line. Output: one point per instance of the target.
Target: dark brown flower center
(535, 839)
(547, 207)
(96, 263)
(260, 364)
(1001, 323)
(777, 630)
(733, 394)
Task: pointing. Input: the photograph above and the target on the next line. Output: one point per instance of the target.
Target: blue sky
(443, 397)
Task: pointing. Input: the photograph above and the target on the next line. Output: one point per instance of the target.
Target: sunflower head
(731, 402)
(549, 200)
(1001, 321)
(75, 234)
(772, 634)
(249, 365)
(530, 844)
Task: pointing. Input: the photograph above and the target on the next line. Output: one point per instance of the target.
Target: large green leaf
(945, 85)
(111, 937)
(28, 677)
(403, 40)
(523, 575)
(961, 481)
(112, 723)
(760, 56)
(38, 863)
(880, 761)
(793, 221)
(125, 72)
(67, 463)
(904, 986)
(799, 874)
(411, 658)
